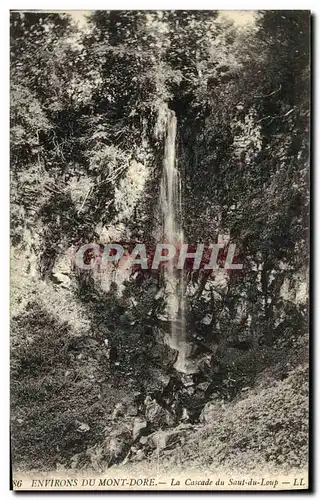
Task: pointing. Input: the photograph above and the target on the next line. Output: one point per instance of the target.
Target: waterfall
(171, 211)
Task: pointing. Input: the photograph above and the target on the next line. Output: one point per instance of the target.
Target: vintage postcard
(160, 250)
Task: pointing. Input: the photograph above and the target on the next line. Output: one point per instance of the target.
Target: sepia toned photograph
(159, 275)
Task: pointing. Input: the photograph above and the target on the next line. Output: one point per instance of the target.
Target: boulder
(116, 446)
(126, 408)
(161, 352)
(140, 427)
(83, 427)
(119, 411)
(159, 376)
(61, 279)
(139, 455)
(184, 427)
(144, 440)
(212, 412)
(163, 439)
(206, 320)
(203, 386)
(156, 415)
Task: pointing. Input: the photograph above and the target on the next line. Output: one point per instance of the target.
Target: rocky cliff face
(154, 125)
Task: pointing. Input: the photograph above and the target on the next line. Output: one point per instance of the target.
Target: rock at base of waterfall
(187, 366)
(162, 352)
(159, 378)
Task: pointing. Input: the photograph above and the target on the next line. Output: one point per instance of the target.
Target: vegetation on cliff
(87, 124)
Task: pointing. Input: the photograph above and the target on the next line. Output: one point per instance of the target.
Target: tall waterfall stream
(171, 210)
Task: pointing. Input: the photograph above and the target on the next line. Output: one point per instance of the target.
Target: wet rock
(191, 401)
(163, 439)
(161, 352)
(190, 366)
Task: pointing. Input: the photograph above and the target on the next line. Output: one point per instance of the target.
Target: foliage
(88, 121)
